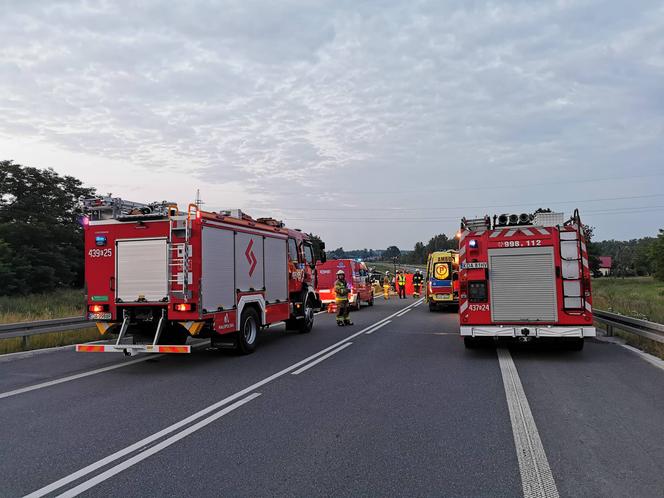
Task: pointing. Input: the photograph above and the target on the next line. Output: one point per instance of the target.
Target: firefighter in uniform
(417, 283)
(401, 284)
(386, 285)
(341, 291)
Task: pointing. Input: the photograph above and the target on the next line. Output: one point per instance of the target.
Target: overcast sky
(370, 123)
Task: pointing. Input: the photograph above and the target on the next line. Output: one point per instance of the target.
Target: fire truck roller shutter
(522, 285)
(142, 270)
(276, 269)
(218, 276)
(249, 271)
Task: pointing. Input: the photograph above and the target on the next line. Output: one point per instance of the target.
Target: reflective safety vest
(402, 279)
(341, 291)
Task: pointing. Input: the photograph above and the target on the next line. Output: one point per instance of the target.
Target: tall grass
(59, 304)
(53, 340)
(638, 297)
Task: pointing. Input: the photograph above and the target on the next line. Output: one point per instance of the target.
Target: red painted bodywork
(486, 240)
(100, 268)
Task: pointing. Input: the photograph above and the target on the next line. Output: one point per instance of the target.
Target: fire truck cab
(160, 276)
(357, 277)
(525, 276)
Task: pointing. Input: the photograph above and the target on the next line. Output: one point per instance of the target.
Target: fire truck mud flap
(528, 331)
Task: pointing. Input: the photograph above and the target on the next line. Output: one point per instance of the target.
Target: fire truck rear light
(183, 307)
(96, 308)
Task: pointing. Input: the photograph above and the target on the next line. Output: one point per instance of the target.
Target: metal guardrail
(27, 329)
(649, 330)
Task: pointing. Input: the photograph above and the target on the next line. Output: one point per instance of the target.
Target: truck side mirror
(323, 257)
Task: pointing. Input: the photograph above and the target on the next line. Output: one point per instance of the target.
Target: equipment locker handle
(111, 283)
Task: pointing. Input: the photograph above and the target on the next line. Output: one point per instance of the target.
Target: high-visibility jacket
(341, 291)
(402, 279)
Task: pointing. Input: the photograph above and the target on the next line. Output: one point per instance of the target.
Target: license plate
(99, 316)
(444, 297)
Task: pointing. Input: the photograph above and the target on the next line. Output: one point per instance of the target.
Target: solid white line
(653, 360)
(377, 327)
(404, 312)
(196, 345)
(139, 444)
(84, 486)
(536, 476)
(418, 304)
(74, 377)
(322, 358)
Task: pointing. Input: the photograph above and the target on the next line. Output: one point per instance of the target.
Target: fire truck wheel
(248, 333)
(358, 303)
(371, 300)
(433, 307)
(307, 323)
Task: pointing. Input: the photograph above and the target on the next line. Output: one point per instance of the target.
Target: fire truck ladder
(572, 270)
(179, 254)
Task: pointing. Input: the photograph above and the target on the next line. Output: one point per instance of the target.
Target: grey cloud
(328, 99)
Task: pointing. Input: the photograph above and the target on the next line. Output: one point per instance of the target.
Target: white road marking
(322, 358)
(418, 304)
(536, 476)
(377, 327)
(74, 377)
(86, 374)
(154, 437)
(84, 486)
(405, 311)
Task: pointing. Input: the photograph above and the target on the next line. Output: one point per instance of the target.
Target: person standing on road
(386, 285)
(341, 292)
(401, 284)
(417, 283)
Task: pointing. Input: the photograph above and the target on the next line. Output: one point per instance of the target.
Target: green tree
(39, 224)
(392, 252)
(658, 255)
(318, 246)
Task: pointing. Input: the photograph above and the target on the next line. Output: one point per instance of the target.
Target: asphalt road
(403, 410)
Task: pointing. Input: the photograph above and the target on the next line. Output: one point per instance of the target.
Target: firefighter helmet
(341, 272)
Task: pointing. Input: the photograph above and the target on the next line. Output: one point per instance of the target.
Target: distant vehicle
(161, 275)
(525, 276)
(357, 276)
(441, 280)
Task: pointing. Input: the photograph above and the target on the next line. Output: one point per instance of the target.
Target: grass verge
(58, 304)
(16, 344)
(638, 297)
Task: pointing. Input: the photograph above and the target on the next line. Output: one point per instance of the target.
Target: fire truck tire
(433, 307)
(358, 303)
(307, 323)
(371, 300)
(247, 336)
(575, 344)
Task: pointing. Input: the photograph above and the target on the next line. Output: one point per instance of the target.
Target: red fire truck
(525, 276)
(156, 273)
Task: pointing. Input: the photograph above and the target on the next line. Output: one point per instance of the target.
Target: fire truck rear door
(141, 269)
(522, 285)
